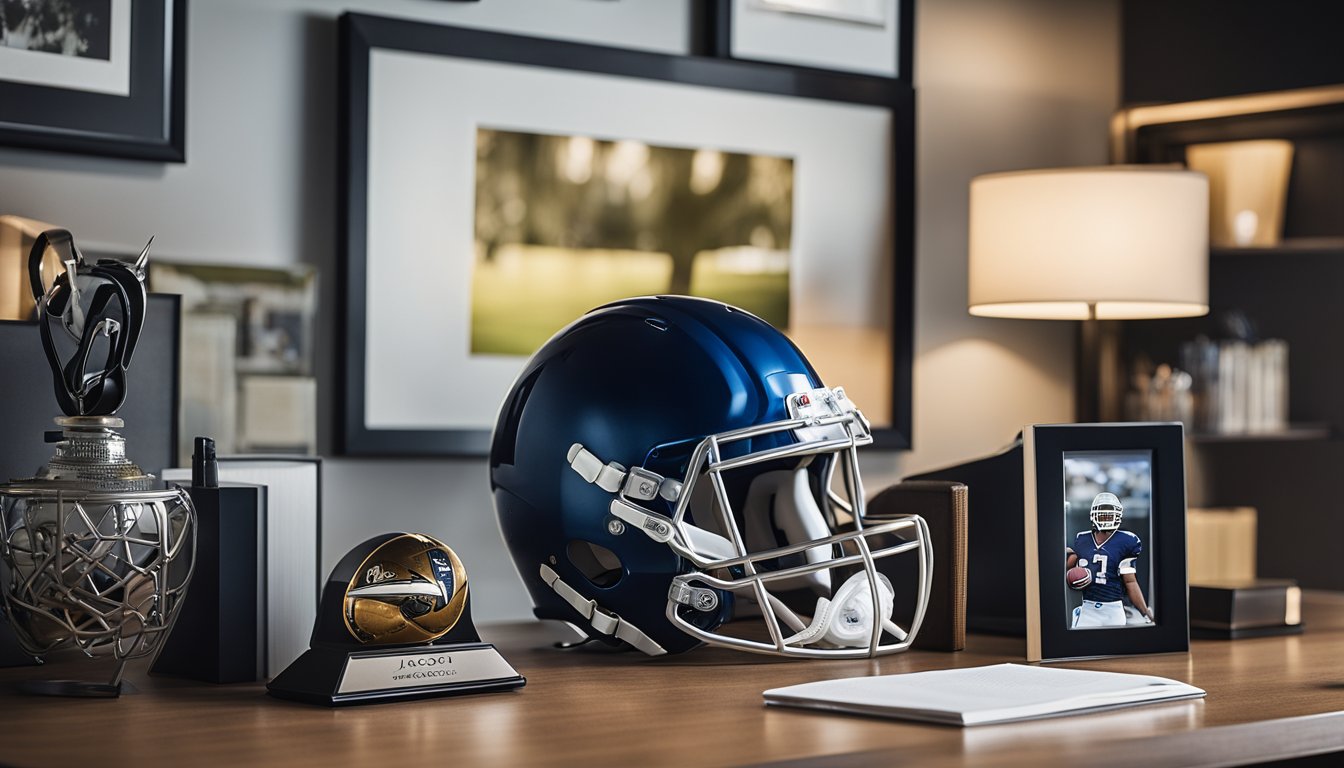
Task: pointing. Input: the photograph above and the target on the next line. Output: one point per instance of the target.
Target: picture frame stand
(1105, 539)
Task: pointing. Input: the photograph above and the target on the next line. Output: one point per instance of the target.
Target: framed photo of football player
(1105, 517)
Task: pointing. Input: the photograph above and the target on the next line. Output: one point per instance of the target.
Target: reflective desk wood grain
(1268, 698)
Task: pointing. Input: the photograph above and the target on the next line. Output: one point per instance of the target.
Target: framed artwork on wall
(871, 37)
(99, 77)
(1105, 534)
(496, 187)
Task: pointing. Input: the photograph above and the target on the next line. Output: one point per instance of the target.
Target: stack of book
(1239, 387)
(1252, 608)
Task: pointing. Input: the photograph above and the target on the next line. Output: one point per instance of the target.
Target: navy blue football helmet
(671, 471)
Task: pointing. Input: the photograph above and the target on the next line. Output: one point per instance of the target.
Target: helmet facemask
(1106, 512)
(769, 520)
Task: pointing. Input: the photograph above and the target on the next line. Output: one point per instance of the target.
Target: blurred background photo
(567, 223)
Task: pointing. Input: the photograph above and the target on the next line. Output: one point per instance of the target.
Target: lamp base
(1099, 379)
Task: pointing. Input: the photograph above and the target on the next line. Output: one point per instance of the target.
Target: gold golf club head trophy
(95, 555)
(395, 623)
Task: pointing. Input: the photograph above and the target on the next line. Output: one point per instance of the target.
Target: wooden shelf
(1294, 433)
(1297, 246)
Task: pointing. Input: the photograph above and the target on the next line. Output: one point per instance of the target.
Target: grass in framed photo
(568, 223)
(497, 187)
(103, 77)
(1105, 535)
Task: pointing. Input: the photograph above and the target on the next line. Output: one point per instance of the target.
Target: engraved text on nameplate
(423, 668)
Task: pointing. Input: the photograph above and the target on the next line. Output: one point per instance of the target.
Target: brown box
(1221, 544)
(943, 505)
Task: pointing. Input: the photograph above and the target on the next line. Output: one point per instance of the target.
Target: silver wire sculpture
(94, 555)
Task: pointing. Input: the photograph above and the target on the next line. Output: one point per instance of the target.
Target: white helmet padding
(781, 502)
(846, 620)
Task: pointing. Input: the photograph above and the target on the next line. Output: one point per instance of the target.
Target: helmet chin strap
(846, 619)
(600, 619)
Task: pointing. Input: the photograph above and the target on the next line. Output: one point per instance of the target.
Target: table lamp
(1120, 242)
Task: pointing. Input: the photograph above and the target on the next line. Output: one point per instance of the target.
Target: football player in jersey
(1109, 554)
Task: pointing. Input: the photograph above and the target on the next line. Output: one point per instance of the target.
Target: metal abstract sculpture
(94, 555)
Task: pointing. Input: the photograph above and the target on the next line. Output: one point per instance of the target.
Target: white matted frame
(415, 94)
(871, 37)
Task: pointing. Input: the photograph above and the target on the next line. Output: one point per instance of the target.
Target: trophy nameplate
(395, 623)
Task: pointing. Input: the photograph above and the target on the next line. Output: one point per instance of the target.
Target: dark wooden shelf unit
(1292, 291)
(1297, 246)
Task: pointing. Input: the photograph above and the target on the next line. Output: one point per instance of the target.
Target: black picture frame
(361, 34)
(147, 123)
(721, 21)
(1045, 447)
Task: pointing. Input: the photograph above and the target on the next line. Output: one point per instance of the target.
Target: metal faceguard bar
(810, 430)
(814, 434)
(708, 454)
(856, 432)
(771, 606)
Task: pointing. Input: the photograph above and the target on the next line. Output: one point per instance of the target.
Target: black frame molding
(147, 124)
(1044, 447)
(360, 34)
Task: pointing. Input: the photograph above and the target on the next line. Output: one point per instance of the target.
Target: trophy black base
(336, 677)
(336, 670)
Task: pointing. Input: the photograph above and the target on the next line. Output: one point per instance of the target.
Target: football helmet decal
(410, 589)
(1106, 512)
(670, 471)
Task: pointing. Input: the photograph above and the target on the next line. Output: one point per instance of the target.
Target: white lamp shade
(1112, 242)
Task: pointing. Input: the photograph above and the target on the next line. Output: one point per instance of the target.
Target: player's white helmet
(1106, 512)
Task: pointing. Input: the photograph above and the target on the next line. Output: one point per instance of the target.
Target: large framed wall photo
(872, 37)
(100, 77)
(496, 187)
(1105, 534)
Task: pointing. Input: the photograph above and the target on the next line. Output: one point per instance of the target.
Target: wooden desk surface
(1267, 698)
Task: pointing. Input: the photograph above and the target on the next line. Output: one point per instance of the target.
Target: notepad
(1000, 693)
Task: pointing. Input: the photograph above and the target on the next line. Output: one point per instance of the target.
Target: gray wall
(1002, 84)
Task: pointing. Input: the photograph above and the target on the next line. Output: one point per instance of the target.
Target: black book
(1235, 607)
(220, 634)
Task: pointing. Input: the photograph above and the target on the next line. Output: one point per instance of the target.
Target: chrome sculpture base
(71, 688)
(78, 689)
